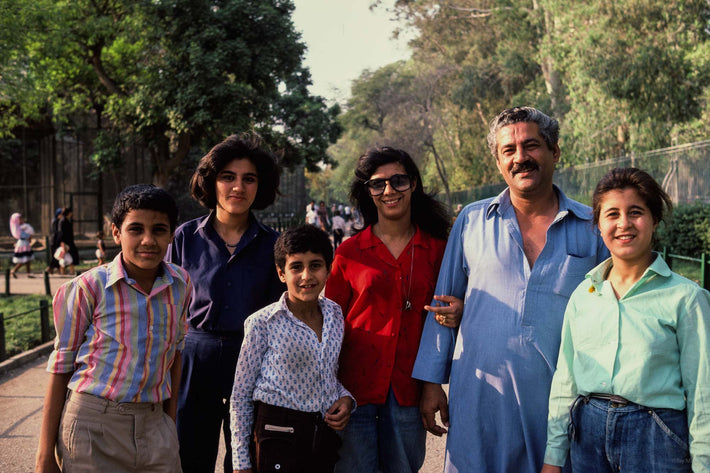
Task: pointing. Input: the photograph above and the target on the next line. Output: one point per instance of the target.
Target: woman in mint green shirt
(632, 386)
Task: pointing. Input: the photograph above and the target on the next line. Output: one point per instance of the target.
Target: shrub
(687, 231)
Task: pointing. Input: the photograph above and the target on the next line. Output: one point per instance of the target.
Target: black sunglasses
(399, 182)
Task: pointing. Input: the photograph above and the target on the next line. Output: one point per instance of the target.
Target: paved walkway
(23, 381)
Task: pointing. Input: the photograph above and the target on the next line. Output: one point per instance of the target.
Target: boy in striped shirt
(115, 369)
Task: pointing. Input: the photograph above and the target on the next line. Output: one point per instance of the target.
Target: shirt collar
(369, 240)
(253, 221)
(281, 307)
(116, 271)
(598, 274)
(501, 203)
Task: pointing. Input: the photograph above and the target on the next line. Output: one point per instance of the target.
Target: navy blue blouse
(226, 288)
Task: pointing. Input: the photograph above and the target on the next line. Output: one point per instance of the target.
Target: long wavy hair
(427, 213)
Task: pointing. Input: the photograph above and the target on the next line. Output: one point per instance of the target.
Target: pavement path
(23, 381)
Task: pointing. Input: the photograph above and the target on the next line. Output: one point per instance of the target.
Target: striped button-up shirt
(119, 341)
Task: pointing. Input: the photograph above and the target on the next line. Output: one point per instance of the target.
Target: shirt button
(226, 307)
(229, 283)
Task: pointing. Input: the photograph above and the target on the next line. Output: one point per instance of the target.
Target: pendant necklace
(407, 304)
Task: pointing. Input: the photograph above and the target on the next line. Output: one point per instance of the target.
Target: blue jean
(388, 438)
(606, 438)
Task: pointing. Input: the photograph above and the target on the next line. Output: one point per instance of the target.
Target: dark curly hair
(427, 213)
(243, 146)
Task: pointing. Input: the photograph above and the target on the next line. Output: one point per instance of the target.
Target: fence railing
(45, 275)
(45, 334)
(703, 277)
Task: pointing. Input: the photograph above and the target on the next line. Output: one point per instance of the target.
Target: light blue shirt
(650, 347)
(499, 363)
(282, 363)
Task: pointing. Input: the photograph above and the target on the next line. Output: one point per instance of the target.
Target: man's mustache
(525, 166)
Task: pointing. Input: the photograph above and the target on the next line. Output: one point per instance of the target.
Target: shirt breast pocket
(570, 273)
(168, 326)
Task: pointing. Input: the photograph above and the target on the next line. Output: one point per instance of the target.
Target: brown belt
(613, 398)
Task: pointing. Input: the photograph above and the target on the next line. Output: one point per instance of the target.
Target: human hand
(550, 469)
(338, 415)
(447, 315)
(433, 400)
(46, 464)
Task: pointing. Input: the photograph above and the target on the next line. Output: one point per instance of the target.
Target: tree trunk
(166, 161)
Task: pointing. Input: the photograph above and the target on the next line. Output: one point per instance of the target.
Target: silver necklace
(407, 303)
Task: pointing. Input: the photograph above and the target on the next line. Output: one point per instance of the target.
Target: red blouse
(381, 334)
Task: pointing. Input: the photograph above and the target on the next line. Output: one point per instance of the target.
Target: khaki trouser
(98, 435)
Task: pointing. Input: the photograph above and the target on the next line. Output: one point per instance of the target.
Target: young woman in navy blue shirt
(230, 257)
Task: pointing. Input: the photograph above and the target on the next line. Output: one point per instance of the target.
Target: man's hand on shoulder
(433, 400)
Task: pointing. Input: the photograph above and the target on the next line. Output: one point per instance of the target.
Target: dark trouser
(289, 441)
(208, 364)
(337, 237)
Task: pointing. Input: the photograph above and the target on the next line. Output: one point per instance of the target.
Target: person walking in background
(382, 277)
(230, 257)
(115, 369)
(66, 237)
(338, 229)
(100, 248)
(54, 241)
(323, 220)
(633, 372)
(514, 259)
(291, 410)
(23, 254)
(311, 214)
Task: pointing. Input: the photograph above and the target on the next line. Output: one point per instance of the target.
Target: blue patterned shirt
(283, 363)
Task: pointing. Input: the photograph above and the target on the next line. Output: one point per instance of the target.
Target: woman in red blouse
(382, 278)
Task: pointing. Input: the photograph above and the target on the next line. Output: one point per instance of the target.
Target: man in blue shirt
(515, 260)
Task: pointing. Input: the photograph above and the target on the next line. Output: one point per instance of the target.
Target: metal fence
(45, 329)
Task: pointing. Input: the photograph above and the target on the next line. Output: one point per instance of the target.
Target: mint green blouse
(650, 347)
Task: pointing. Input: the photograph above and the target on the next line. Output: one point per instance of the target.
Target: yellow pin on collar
(591, 289)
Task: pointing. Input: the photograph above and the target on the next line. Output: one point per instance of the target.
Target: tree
(170, 75)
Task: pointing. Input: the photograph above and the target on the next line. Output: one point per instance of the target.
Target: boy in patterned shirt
(115, 368)
(287, 401)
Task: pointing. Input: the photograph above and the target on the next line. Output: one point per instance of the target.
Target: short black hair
(243, 146)
(144, 197)
(302, 239)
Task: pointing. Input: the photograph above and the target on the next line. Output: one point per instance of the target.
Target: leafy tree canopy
(624, 76)
(171, 75)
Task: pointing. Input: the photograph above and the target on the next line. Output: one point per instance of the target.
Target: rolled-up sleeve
(73, 308)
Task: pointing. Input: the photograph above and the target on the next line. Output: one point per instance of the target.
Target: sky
(344, 38)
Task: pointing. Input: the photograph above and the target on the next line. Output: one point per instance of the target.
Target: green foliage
(621, 77)
(170, 75)
(23, 332)
(687, 232)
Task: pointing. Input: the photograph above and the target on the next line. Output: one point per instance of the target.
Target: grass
(23, 332)
(689, 269)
